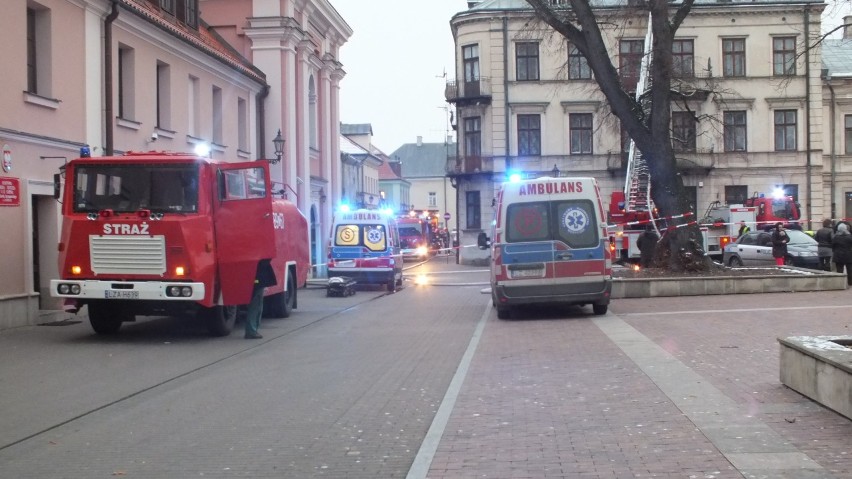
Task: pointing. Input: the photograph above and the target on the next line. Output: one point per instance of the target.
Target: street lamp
(555, 171)
(278, 143)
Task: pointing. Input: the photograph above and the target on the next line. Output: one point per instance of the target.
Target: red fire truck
(415, 237)
(175, 234)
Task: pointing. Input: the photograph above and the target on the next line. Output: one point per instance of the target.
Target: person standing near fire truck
(263, 278)
(824, 237)
(779, 244)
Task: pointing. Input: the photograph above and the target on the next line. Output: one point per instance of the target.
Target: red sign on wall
(10, 191)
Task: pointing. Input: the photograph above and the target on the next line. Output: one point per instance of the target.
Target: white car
(755, 249)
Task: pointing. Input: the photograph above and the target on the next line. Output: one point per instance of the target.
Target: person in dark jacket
(263, 278)
(841, 247)
(823, 237)
(647, 244)
(779, 244)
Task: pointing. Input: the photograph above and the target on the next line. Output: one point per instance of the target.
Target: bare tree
(580, 23)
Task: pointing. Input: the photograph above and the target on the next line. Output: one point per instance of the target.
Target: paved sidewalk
(665, 387)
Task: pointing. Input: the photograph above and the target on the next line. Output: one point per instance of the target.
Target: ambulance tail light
(612, 244)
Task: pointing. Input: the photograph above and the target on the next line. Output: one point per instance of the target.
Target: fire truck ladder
(637, 186)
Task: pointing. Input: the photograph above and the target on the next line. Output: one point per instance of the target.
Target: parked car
(755, 249)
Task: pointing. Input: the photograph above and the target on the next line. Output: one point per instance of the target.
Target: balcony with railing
(469, 93)
(469, 165)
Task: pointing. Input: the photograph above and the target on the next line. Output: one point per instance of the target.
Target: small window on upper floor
(185, 11)
(39, 77)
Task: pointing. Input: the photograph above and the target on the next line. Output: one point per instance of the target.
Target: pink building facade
(139, 75)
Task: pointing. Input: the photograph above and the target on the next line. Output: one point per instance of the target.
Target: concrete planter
(819, 367)
(797, 280)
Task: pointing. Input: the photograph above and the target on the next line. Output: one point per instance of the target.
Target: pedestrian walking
(779, 244)
(841, 247)
(647, 244)
(824, 237)
(263, 278)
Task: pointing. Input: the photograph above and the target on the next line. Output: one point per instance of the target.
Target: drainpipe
(808, 112)
(832, 147)
(108, 87)
(261, 121)
(506, 81)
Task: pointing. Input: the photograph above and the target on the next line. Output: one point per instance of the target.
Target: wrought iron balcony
(468, 165)
(469, 93)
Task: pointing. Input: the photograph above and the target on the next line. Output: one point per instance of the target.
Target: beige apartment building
(755, 112)
(131, 75)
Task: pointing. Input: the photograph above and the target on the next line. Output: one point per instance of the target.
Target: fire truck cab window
(129, 188)
(243, 184)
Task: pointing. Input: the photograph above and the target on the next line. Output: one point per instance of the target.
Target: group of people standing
(834, 243)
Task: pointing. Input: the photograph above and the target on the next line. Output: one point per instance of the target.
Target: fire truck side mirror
(57, 186)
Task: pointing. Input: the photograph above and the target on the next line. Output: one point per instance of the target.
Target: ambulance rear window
(569, 221)
(372, 237)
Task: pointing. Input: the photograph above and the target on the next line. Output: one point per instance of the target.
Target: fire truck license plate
(122, 294)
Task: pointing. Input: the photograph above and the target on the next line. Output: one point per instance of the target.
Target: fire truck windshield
(131, 187)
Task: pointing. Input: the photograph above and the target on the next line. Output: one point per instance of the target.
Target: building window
(38, 51)
(526, 61)
(242, 124)
(168, 6)
(471, 63)
(217, 116)
(193, 118)
(630, 54)
(473, 220)
(847, 120)
(578, 66)
(580, 125)
(733, 57)
(683, 131)
(683, 60)
(785, 130)
(529, 135)
(735, 131)
(433, 199)
(736, 194)
(126, 83)
(190, 12)
(792, 191)
(691, 193)
(164, 96)
(784, 56)
(472, 137)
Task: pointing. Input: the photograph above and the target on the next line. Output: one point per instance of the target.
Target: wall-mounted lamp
(278, 143)
(555, 171)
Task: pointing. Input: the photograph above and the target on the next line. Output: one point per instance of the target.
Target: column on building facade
(303, 165)
(292, 151)
(337, 165)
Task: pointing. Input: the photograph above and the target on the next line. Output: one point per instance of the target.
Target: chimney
(847, 26)
(396, 167)
(419, 141)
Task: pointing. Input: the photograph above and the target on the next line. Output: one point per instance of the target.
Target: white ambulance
(365, 247)
(550, 245)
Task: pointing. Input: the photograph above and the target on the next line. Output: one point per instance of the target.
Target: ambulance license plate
(527, 273)
(345, 264)
(121, 294)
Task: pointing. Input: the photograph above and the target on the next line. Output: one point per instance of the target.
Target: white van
(365, 247)
(550, 245)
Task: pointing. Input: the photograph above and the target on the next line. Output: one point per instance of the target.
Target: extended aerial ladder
(637, 185)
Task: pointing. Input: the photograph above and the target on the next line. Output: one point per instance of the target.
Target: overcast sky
(395, 60)
(394, 64)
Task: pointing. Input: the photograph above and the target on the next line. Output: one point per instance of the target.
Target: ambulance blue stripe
(355, 252)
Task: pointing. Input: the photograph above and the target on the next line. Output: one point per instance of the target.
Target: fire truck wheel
(280, 305)
(600, 309)
(105, 318)
(219, 319)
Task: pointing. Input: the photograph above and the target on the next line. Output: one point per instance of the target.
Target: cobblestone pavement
(665, 387)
